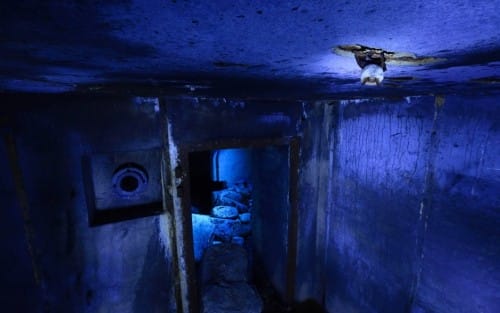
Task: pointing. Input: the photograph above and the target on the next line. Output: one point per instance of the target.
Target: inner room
(240, 210)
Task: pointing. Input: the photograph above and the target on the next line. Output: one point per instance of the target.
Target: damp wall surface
(270, 214)
(459, 269)
(226, 169)
(398, 201)
(379, 164)
(206, 120)
(117, 267)
(413, 222)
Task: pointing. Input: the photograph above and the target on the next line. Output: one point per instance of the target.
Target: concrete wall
(270, 213)
(459, 269)
(201, 120)
(232, 165)
(318, 123)
(380, 160)
(398, 201)
(413, 219)
(120, 267)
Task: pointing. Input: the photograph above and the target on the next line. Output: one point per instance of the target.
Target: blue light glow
(232, 165)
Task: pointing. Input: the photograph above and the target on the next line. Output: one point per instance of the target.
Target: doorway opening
(243, 203)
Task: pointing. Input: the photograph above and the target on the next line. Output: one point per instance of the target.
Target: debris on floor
(229, 221)
(224, 281)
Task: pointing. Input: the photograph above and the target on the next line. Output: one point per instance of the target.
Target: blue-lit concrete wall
(318, 125)
(398, 201)
(460, 269)
(202, 120)
(413, 222)
(270, 212)
(232, 165)
(381, 154)
(120, 267)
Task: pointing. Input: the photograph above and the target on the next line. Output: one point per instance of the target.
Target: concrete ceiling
(282, 48)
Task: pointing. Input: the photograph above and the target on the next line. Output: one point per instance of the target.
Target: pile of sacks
(228, 222)
(234, 203)
(238, 195)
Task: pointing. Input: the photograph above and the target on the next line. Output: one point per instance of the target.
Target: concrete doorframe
(184, 263)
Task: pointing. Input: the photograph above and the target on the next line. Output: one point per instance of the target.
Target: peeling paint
(165, 223)
(165, 234)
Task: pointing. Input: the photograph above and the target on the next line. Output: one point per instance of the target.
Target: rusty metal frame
(186, 229)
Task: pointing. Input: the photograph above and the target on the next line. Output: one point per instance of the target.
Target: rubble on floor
(224, 281)
(229, 220)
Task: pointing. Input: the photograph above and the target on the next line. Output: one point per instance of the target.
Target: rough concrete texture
(413, 223)
(380, 163)
(459, 259)
(233, 173)
(314, 180)
(117, 267)
(270, 213)
(224, 263)
(230, 119)
(232, 298)
(184, 47)
(398, 203)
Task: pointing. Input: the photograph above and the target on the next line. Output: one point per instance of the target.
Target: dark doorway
(201, 181)
(257, 181)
